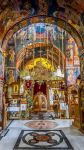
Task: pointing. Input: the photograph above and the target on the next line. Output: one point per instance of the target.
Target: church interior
(41, 74)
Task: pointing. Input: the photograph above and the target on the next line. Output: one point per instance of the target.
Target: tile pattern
(75, 137)
(41, 124)
(36, 139)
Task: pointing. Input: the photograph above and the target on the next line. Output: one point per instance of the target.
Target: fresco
(1, 95)
(1, 81)
(72, 75)
(1, 66)
(11, 75)
(39, 32)
(72, 53)
(72, 61)
(17, 10)
(43, 32)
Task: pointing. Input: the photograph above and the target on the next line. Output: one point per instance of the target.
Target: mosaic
(54, 139)
(41, 124)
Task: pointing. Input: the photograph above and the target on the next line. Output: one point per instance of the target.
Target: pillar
(1, 86)
(48, 101)
(81, 103)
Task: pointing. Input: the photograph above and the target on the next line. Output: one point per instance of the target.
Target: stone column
(33, 93)
(82, 90)
(47, 90)
(1, 85)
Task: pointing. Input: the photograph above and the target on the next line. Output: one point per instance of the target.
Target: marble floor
(75, 137)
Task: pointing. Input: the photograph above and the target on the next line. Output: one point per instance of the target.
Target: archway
(23, 50)
(48, 19)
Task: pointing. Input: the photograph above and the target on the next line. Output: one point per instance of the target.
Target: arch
(47, 19)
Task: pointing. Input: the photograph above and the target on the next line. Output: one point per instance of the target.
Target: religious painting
(23, 107)
(40, 30)
(11, 57)
(51, 93)
(10, 92)
(10, 76)
(70, 51)
(22, 89)
(1, 95)
(76, 61)
(72, 75)
(76, 56)
(1, 66)
(16, 89)
(70, 78)
(16, 74)
(54, 94)
(82, 68)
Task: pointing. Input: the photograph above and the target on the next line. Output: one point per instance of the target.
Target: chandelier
(40, 73)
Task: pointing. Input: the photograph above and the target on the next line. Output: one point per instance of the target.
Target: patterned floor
(42, 140)
(26, 138)
(41, 124)
(3, 133)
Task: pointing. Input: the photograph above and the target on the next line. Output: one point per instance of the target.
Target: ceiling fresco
(41, 38)
(39, 32)
(36, 20)
(14, 11)
(30, 29)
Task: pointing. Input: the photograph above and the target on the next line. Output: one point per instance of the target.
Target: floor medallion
(41, 124)
(42, 139)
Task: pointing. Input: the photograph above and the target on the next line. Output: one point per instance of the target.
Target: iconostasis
(35, 64)
(57, 98)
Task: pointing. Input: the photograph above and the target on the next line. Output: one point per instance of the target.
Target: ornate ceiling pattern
(26, 55)
(14, 11)
(40, 38)
(18, 18)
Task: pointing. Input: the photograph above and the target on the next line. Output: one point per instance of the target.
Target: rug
(42, 140)
(41, 124)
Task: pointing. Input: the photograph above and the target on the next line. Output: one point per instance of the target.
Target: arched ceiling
(41, 38)
(18, 14)
(13, 11)
(26, 54)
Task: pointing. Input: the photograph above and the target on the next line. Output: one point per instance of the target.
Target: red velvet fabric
(41, 88)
